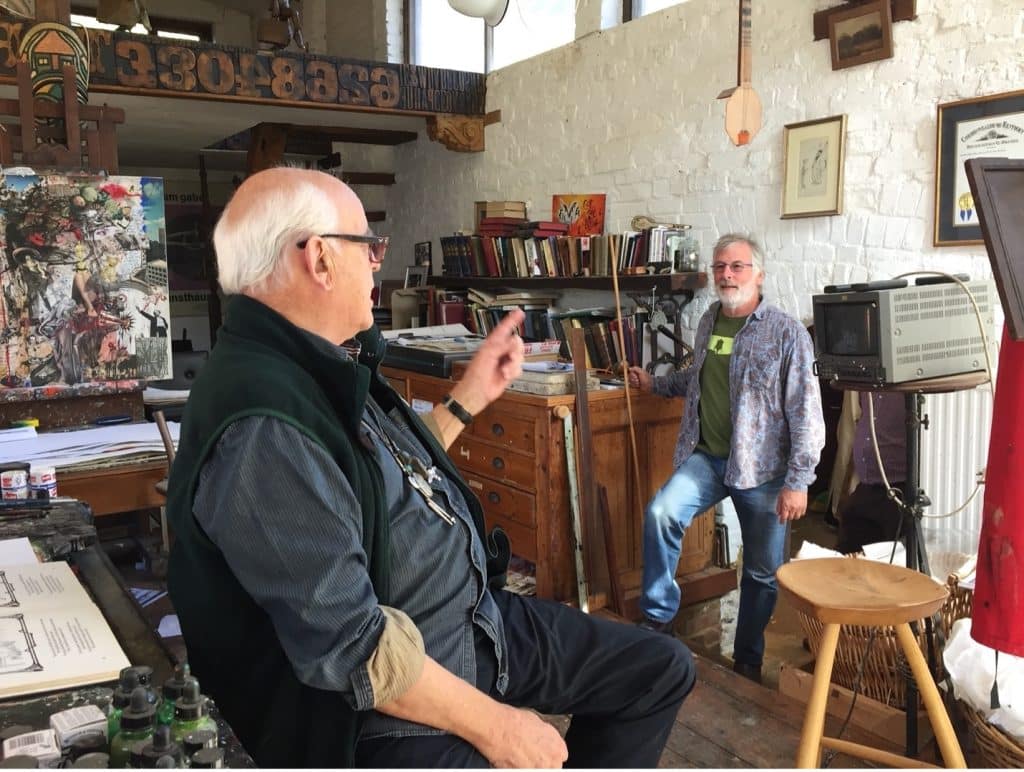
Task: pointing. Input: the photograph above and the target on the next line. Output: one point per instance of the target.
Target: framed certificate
(982, 127)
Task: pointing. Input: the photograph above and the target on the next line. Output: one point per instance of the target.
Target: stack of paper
(62, 449)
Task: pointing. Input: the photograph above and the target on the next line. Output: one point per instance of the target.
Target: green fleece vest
(264, 365)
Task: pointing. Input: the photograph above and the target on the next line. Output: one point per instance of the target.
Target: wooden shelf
(674, 282)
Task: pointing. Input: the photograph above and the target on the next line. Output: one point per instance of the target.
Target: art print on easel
(83, 273)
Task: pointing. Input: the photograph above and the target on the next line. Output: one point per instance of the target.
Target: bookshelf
(663, 283)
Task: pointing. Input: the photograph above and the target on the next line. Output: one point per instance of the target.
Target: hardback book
(52, 636)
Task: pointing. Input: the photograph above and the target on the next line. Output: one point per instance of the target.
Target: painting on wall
(583, 213)
(814, 156)
(860, 34)
(83, 272)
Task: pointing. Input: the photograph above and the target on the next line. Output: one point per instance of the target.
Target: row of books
(521, 257)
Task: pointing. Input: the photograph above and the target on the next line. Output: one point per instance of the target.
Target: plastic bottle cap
(189, 706)
(197, 740)
(174, 687)
(92, 761)
(159, 747)
(127, 683)
(208, 758)
(145, 673)
(166, 762)
(139, 712)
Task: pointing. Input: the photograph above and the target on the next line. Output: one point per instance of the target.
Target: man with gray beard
(752, 430)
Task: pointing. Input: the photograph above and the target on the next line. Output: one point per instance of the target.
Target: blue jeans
(696, 485)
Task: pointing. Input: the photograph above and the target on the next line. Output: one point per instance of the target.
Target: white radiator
(953, 449)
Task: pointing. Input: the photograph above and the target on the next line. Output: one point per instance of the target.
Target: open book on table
(52, 636)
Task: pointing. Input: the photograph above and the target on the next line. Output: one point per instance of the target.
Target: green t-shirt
(715, 412)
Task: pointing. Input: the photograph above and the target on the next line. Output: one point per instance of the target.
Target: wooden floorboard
(729, 722)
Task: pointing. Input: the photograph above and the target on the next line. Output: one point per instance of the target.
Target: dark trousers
(622, 686)
(870, 516)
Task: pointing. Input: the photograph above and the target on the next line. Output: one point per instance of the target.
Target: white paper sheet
(61, 449)
(15, 552)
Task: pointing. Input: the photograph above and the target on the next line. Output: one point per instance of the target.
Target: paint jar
(14, 480)
(136, 727)
(92, 761)
(42, 482)
(190, 714)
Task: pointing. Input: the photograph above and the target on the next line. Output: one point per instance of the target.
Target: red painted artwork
(582, 212)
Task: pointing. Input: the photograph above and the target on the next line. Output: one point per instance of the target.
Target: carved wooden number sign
(124, 62)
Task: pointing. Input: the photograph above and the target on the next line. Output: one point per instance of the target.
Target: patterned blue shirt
(775, 399)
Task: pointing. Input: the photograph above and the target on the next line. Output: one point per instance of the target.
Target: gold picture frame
(860, 34)
(813, 160)
(986, 126)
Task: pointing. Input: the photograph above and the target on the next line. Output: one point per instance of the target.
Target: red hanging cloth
(998, 619)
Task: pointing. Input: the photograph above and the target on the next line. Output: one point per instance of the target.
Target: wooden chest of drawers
(513, 457)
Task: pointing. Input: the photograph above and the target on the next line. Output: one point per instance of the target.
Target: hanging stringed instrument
(743, 110)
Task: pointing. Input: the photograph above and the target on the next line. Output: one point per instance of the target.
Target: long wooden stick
(565, 414)
(625, 379)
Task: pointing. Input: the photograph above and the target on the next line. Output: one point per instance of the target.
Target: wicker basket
(884, 665)
(994, 747)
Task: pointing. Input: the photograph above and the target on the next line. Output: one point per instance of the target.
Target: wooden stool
(850, 591)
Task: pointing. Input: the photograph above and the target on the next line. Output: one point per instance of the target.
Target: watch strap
(457, 409)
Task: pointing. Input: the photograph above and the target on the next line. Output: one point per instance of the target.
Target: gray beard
(736, 299)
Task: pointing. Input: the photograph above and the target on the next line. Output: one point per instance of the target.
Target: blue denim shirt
(774, 396)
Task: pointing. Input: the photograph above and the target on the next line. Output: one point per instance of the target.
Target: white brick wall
(632, 111)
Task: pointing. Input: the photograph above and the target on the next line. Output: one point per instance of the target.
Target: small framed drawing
(814, 156)
(421, 253)
(416, 276)
(860, 34)
(982, 127)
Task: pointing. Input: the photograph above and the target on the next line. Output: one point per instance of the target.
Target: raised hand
(497, 362)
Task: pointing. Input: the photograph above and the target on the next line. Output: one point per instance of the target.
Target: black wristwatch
(457, 410)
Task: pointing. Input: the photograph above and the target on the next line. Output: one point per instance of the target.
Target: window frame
(201, 29)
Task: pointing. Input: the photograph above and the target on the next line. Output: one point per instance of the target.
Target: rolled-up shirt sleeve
(290, 528)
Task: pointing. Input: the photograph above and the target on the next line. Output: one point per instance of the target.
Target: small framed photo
(860, 34)
(981, 127)
(416, 276)
(814, 153)
(421, 253)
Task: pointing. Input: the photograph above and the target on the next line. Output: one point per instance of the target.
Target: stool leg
(944, 734)
(808, 756)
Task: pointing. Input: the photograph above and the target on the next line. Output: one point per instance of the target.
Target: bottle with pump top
(136, 726)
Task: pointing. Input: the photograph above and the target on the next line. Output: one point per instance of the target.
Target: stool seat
(851, 591)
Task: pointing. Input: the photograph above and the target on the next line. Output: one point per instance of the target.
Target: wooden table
(125, 486)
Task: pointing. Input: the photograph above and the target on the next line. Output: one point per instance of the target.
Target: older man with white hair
(339, 595)
(752, 429)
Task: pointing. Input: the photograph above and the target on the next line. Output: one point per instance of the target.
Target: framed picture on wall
(860, 34)
(981, 127)
(814, 155)
(416, 276)
(421, 253)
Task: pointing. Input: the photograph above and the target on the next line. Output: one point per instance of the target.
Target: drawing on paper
(17, 646)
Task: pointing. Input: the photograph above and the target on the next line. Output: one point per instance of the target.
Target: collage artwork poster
(83, 271)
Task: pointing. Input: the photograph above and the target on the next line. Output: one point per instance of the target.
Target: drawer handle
(498, 463)
(493, 497)
(497, 430)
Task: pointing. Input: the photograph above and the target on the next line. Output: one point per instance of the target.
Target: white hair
(251, 243)
(726, 241)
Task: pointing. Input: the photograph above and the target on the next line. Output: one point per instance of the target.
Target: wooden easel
(63, 146)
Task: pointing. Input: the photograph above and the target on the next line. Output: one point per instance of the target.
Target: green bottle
(136, 726)
(159, 747)
(127, 682)
(190, 713)
(172, 689)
